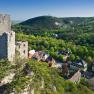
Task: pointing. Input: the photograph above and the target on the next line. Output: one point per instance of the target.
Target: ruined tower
(22, 49)
(7, 38)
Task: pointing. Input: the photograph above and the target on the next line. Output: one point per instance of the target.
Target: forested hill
(46, 22)
(79, 30)
(49, 22)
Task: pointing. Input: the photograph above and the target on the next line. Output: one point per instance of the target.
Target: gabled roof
(31, 51)
(76, 76)
(64, 52)
(80, 63)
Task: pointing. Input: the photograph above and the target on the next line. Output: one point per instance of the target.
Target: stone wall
(7, 46)
(3, 46)
(22, 49)
(7, 38)
(5, 23)
(11, 46)
(7, 41)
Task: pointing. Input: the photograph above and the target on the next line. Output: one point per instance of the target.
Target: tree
(72, 57)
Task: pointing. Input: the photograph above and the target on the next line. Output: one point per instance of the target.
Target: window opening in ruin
(24, 51)
(24, 45)
(19, 46)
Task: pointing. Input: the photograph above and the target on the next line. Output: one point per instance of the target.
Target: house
(51, 61)
(45, 56)
(70, 74)
(65, 54)
(31, 53)
(40, 56)
(58, 65)
(37, 56)
(81, 64)
(76, 77)
(87, 74)
(65, 70)
(91, 82)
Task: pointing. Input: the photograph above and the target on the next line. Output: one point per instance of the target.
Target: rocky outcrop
(7, 79)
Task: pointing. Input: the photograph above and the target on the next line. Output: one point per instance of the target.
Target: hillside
(44, 23)
(36, 76)
(40, 79)
(50, 22)
(79, 30)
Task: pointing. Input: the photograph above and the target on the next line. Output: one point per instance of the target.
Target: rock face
(7, 38)
(7, 79)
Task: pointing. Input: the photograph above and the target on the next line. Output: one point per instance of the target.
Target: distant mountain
(50, 22)
(16, 22)
(46, 22)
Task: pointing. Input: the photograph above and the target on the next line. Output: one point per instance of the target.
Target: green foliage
(51, 78)
(52, 45)
(75, 34)
(5, 68)
(75, 29)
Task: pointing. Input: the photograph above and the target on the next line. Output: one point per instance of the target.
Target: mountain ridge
(51, 22)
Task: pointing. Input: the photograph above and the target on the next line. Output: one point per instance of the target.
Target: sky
(25, 9)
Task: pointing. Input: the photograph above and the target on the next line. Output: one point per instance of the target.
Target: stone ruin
(7, 41)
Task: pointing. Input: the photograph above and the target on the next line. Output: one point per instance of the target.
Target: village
(9, 48)
(70, 70)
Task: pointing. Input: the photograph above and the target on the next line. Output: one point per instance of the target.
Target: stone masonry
(7, 41)
(5, 23)
(22, 49)
(7, 38)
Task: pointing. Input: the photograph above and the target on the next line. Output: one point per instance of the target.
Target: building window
(24, 51)
(24, 45)
(11, 34)
(19, 46)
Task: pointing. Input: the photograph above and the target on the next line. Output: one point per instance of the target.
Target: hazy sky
(24, 9)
